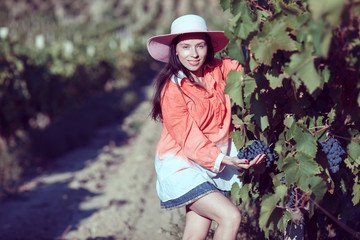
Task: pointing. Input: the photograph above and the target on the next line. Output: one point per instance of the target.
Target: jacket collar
(180, 76)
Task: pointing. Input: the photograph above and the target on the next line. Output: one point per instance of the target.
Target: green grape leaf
(235, 51)
(264, 121)
(353, 157)
(284, 221)
(275, 82)
(290, 8)
(330, 10)
(233, 23)
(272, 38)
(289, 121)
(299, 169)
(356, 191)
(233, 87)
(244, 193)
(305, 142)
(225, 4)
(236, 119)
(302, 64)
(235, 191)
(249, 86)
(318, 187)
(270, 214)
(246, 26)
(239, 138)
(281, 192)
(237, 7)
(321, 37)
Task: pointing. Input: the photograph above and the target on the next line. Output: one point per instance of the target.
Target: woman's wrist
(227, 160)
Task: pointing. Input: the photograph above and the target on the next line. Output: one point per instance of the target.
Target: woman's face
(191, 51)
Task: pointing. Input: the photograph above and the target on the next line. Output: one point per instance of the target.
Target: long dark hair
(172, 67)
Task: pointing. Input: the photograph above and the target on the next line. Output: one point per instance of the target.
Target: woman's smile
(194, 62)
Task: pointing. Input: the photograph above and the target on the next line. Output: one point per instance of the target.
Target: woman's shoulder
(171, 89)
(227, 64)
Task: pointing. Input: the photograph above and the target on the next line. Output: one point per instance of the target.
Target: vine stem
(65, 232)
(355, 234)
(316, 127)
(320, 130)
(254, 4)
(251, 71)
(292, 145)
(348, 139)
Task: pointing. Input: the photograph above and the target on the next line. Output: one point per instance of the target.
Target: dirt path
(103, 191)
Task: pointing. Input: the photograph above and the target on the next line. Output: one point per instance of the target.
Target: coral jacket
(195, 134)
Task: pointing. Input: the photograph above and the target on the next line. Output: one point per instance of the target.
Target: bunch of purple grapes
(256, 148)
(292, 199)
(334, 152)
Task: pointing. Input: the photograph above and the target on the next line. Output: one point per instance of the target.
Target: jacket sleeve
(230, 64)
(186, 133)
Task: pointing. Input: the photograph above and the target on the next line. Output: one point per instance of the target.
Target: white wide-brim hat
(159, 46)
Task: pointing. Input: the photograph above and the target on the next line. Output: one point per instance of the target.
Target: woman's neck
(199, 78)
(198, 75)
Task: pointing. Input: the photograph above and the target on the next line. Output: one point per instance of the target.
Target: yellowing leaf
(264, 121)
(273, 37)
(330, 10)
(234, 87)
(302, 64)
(275, 82)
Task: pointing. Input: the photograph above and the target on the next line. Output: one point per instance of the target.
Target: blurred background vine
(68, 67)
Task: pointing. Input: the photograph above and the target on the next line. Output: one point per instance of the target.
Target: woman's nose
(194, 52)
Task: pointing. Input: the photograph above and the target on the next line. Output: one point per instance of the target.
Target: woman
(196, 161)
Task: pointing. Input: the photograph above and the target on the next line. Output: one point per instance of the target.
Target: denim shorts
(193, 195)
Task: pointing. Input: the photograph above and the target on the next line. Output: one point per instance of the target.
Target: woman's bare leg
(217, 207)
(196, 226)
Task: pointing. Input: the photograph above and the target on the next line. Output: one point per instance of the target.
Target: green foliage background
(68, 67)
(301, 85)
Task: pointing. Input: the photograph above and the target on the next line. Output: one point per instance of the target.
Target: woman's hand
(243, 163)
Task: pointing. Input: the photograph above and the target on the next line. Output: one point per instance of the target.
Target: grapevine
(300, 82)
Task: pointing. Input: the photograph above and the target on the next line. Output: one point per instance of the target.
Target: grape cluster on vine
(256, 148)
(292, 199)
(334, 152)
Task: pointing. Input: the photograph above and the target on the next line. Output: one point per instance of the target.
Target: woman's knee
(232, 217)
(236, 216)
